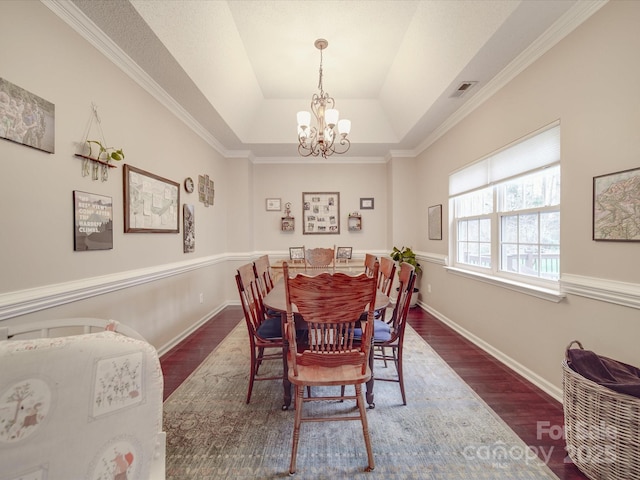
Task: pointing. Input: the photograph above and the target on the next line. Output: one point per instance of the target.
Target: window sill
(549, 294)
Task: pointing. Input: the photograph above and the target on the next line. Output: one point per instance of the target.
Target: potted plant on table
(406, 254)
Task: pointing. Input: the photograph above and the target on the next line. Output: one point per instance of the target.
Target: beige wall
(583, 82)
(50, 60)
(586, 81)
(288, 181)
(146, 280)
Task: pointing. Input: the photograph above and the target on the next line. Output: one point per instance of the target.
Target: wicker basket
(602, 428)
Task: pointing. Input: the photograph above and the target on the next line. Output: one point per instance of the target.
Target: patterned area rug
(444, 432)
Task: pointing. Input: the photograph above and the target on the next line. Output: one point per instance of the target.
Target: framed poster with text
(93, 222)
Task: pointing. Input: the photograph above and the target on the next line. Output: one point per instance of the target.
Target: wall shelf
(287, 224)
(354, 222)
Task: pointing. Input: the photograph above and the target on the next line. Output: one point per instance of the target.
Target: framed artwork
(206, 191)
(273, 205)
(296, 254)
(343, 253)
(320, 213)
(26, 118)
(189, 228)
(616, 206)
(93, 222)
(151, 203)
(435, 222)
(366, 204)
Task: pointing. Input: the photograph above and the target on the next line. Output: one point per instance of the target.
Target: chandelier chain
(320, 87)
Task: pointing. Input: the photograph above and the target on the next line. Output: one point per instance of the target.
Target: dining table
(276, 301)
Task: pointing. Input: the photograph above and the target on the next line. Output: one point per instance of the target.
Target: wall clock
(189, 185)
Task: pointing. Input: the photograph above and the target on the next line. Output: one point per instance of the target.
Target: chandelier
(330, 134)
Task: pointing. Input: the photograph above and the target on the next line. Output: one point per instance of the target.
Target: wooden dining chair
(385, 279)
(369, 262)
(393, 337)
(265, 333)
(262, 270)
(331, 305)
(320, 259)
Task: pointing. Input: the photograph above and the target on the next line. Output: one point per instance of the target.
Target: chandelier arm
(343, 141)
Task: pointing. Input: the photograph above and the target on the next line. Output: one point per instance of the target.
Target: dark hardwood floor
(531, 413)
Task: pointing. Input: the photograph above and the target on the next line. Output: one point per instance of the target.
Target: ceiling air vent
(463, 88)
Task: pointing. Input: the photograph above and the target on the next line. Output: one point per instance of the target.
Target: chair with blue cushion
(330, 305)
(390, 335)
(265, 333)
(264, 275)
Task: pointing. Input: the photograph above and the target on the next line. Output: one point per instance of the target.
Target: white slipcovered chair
(79, 403)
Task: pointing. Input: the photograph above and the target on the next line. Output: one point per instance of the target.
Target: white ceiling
(239, 70)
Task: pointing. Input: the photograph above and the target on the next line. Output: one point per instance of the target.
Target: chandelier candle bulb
(344, 127)
(331, 117)
(304, 120)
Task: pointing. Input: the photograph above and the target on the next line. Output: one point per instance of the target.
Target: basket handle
(566, 354)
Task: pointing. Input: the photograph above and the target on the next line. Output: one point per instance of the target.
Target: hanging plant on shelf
(100, 160)
(105, 154)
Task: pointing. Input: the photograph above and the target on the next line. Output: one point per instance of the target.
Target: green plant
(406, 255)
(105, 153)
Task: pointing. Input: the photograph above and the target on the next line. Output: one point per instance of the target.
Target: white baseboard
(509, 362)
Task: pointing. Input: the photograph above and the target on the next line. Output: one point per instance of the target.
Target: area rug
(444, 432)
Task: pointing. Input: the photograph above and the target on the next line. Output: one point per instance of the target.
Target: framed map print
(151, 203)
(616, 206)
(320, 213)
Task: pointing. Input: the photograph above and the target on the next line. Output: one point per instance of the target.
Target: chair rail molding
(21, 302)
(612, 291)
(436, 258)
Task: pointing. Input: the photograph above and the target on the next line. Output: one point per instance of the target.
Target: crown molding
(579, 13)
(76, 19)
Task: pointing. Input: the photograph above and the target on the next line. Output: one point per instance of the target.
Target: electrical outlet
(202, 298)
(428, 288)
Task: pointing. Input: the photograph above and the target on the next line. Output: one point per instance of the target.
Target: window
(506, 211)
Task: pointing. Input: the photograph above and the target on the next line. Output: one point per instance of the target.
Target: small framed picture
(366, 204)
(274, 205)
(435, 222)
(296, 254)
(343, 253)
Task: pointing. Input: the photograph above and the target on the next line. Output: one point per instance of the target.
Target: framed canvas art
(26, 118)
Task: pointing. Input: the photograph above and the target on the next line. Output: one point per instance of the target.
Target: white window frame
(541, 149)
